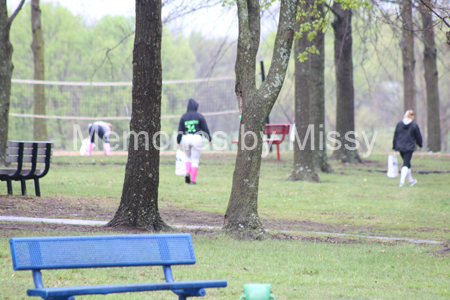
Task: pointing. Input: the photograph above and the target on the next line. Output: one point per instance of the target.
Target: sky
(217, 21)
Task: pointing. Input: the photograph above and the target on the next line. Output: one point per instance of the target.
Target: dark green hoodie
(192, 122)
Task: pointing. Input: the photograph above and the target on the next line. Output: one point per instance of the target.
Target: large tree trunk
(317, 97)
(241, 217)
(303, 168)
(345, 94)
(431, 79)
(6, 70)
(409, 62)
(37, 46)
(139, 203)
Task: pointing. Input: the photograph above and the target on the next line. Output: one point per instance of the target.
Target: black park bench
(38, 253)
(30, 154)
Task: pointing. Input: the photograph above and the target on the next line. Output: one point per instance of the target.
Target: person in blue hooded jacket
(407, 135)
(190, 129)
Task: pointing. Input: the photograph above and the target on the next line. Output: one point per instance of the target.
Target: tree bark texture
(139, 203)
(37, 46)
(241, 218)
(303, 168)
(409, 62)
(6, 70)
(317, 97)
(345, 93)
(431, 80)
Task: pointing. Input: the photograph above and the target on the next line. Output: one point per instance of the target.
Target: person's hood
(406, 121)
(192, 105)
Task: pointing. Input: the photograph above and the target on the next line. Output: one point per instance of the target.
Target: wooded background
(102, 52)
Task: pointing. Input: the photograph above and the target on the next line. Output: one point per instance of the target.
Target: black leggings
(406, 158)
(94, 128)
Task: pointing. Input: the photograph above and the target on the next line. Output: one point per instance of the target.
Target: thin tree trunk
(409, 62)
(303, 168)
(139, 203)
(317, 97)
(37, 46)
(6, 70)
(345, 94)
(431, 79)
(241, 218)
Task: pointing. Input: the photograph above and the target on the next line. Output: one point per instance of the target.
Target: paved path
(90, 222)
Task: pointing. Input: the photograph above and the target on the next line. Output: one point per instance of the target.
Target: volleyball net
(72, 104)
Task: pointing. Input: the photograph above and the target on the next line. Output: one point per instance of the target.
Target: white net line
(72, 105)
(212, 111)
(114, 118)
(72, 83)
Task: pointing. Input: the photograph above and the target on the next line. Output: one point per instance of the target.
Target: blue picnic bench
(39, 253)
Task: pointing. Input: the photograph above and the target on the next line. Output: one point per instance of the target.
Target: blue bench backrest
(101, 251)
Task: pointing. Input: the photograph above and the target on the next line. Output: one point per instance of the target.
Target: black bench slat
(23, 172)
(40, 159)
(27, 144)
(10, 159)
(26, 159)
(15, 151)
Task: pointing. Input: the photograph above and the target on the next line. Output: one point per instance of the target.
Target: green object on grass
(257, 291)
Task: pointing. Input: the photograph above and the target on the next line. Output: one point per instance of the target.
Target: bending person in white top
(103, 130)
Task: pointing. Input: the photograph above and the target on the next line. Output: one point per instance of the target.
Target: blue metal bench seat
(195, 288)
(40, 253)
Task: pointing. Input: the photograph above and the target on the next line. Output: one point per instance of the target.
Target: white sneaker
(401, 184)
(413, 182)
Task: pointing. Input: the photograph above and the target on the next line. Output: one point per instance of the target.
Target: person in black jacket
(192, 126)
(406, 136)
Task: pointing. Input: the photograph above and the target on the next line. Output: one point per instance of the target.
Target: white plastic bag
(180, 165)
(84, 150)
(392, 166)
(292, 133)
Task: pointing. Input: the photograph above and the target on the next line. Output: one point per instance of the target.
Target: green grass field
(355, 199)
(358, 199)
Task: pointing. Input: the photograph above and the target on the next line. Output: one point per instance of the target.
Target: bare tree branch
(109, 50)
(404, 27)
(330, 8)
(433, 11)
(182, 9)
(11, 18)
(187, 7)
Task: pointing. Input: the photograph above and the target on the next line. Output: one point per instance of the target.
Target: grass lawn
(355, 199)
(296, 270)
